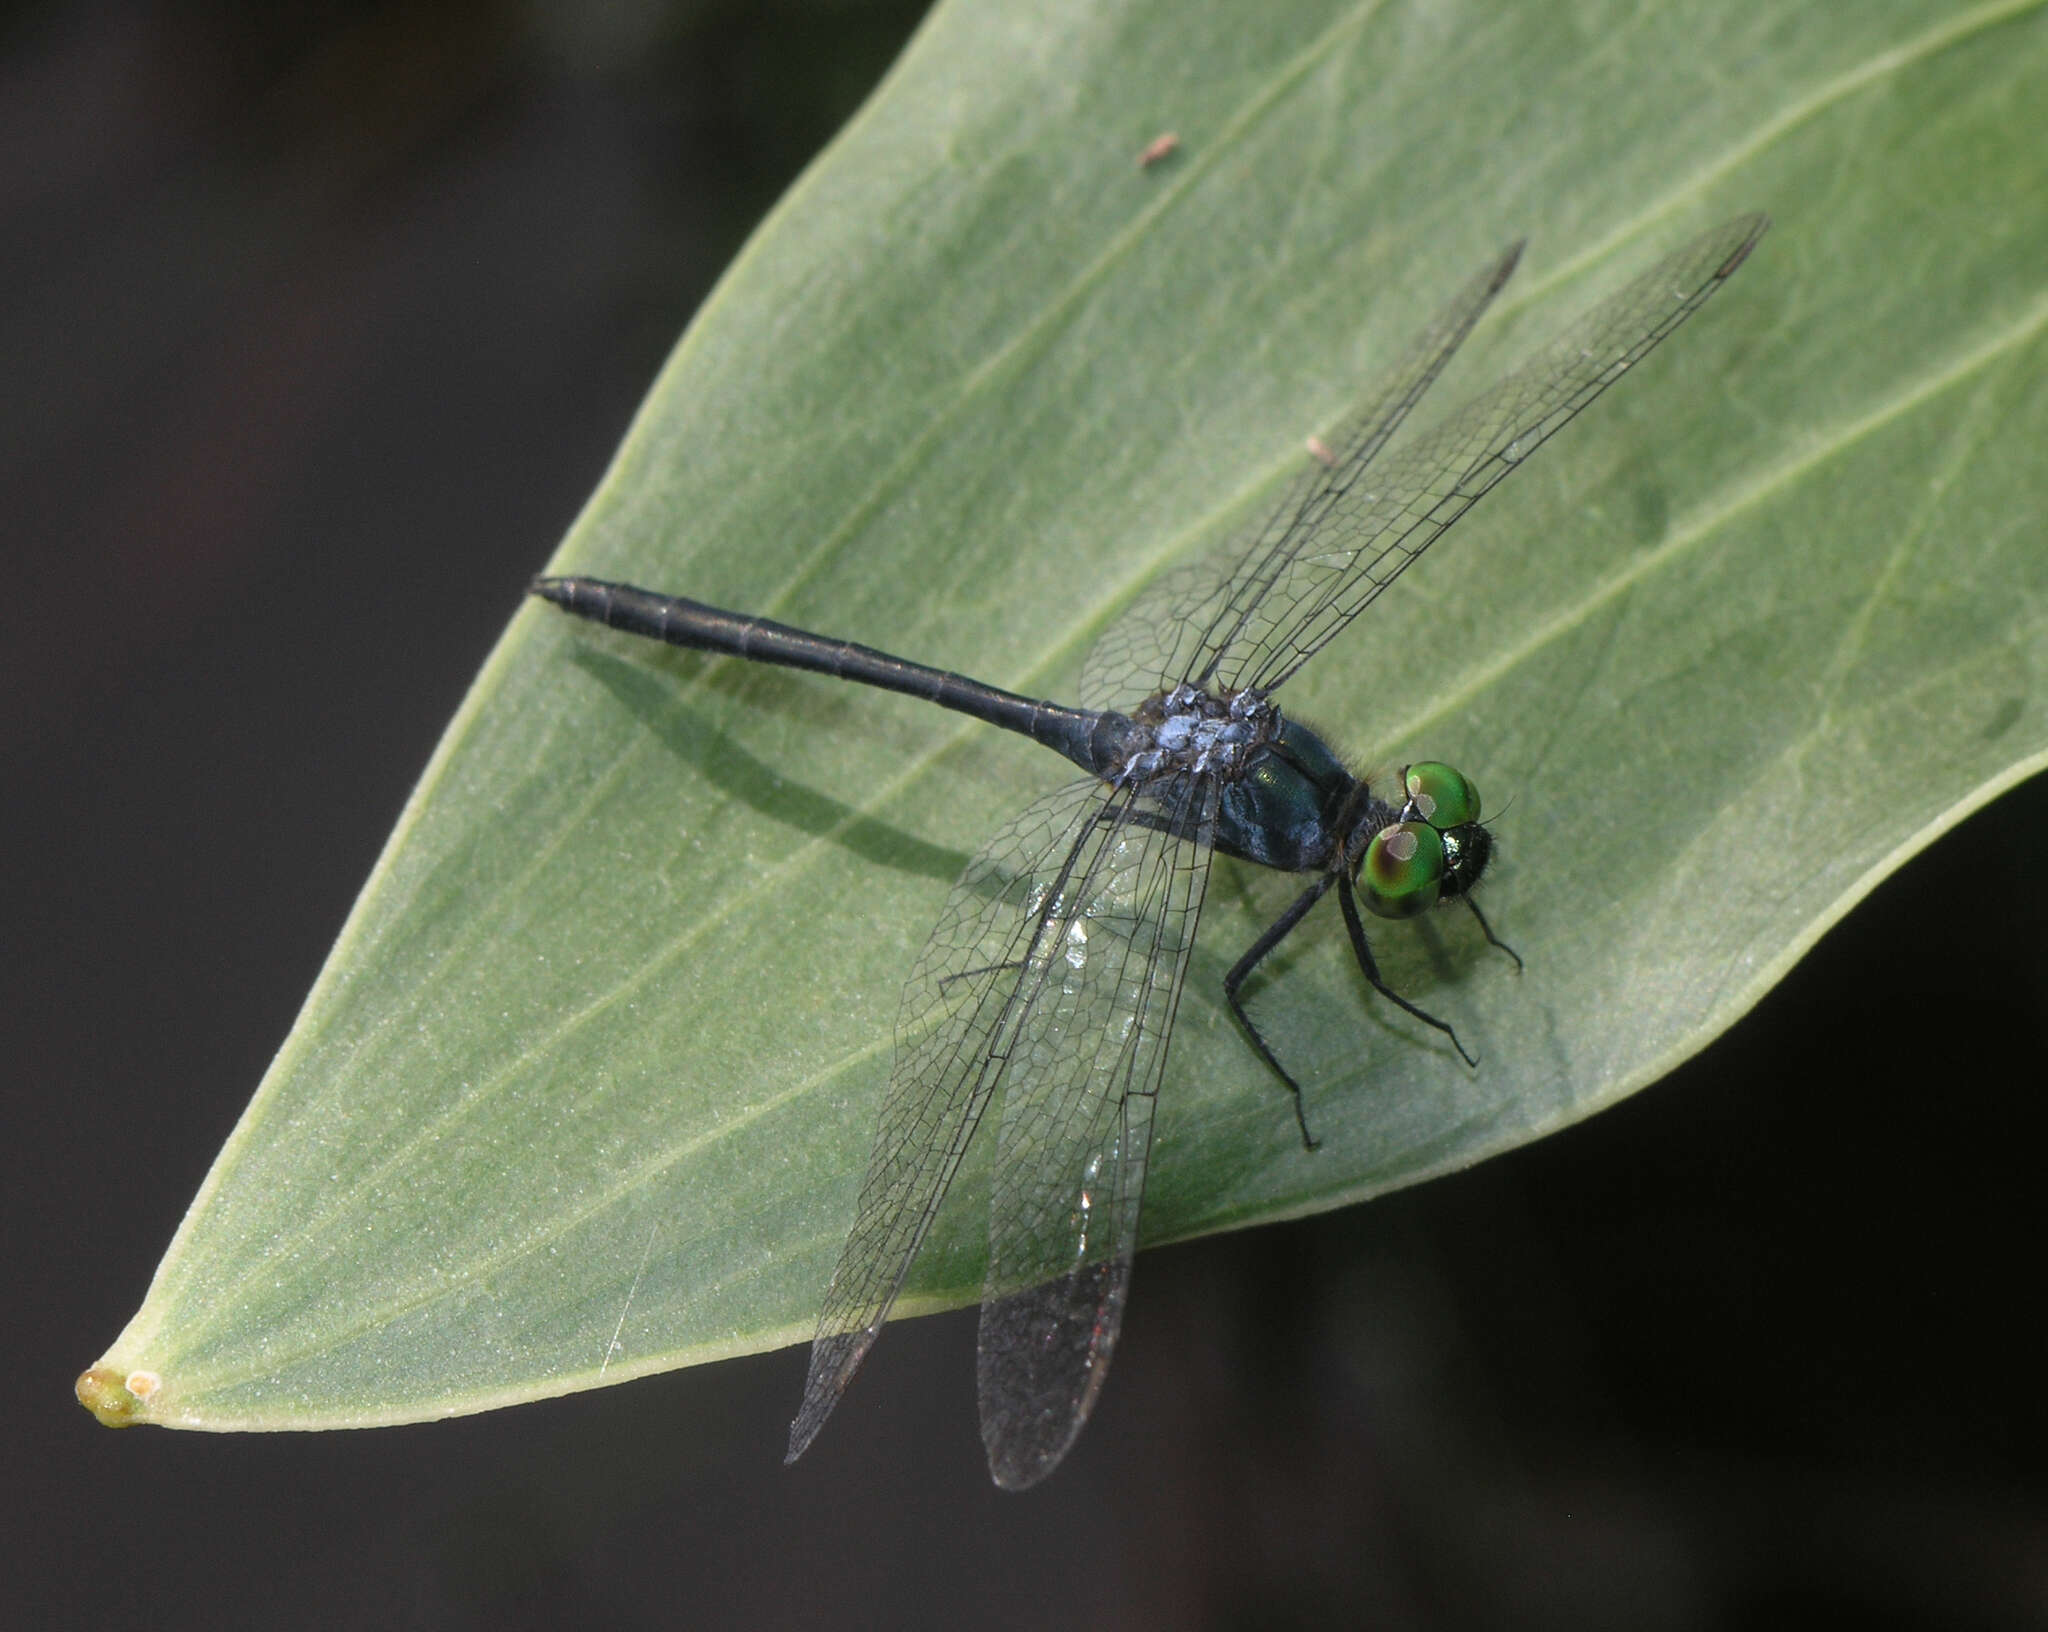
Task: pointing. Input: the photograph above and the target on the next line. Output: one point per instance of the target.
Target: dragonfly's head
(1433, 851)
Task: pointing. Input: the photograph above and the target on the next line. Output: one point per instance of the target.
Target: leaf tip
(118, 1401)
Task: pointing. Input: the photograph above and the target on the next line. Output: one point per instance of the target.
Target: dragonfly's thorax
(1285, 799)
(1293, 803)
(1188, 731)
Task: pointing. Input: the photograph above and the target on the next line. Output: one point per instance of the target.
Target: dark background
(317, 333)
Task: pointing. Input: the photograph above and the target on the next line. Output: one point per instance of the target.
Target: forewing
(956, 1029)
(1076, 1125)
(1169, 633)
(1346, 546)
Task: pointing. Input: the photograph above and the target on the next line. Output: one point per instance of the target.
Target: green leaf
(586, 1087)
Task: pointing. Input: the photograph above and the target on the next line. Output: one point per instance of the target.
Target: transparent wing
(1345, 551)
(967, 1011)
(1076, 1127)
(1191, 609)
(1315, 569)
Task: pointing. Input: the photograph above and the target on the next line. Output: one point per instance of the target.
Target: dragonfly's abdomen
(1091, 739)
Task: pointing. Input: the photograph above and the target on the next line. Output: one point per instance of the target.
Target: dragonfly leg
(1275, 933)
(1492, 939)
(1363, 952)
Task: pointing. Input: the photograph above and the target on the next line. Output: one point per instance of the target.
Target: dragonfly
(1048, 989)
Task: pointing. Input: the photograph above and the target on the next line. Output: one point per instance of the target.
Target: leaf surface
(586, 1088)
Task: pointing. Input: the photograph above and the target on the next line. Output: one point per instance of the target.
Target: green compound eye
(1403, 871)
(1441, 796)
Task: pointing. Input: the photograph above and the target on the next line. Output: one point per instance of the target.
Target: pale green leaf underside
(585, 1090)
